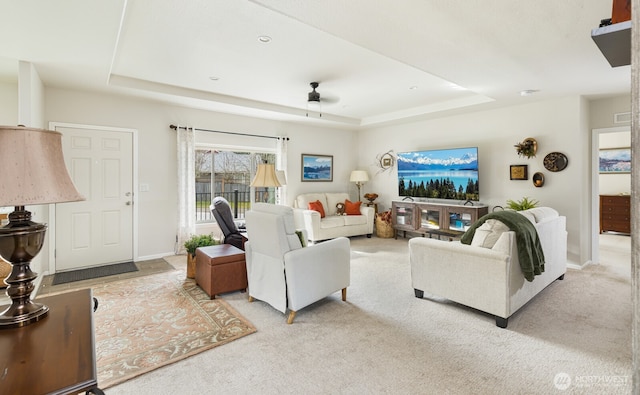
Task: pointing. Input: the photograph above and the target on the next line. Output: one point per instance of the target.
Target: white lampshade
(33, 169)
(282, 178)
(266, 176)
(360, 176)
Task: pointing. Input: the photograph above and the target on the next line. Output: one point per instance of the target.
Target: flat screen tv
(439, 174)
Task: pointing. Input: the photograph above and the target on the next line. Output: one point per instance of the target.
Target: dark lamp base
(20, 242)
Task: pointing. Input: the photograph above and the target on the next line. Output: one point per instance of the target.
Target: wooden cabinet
(435, 218)
(615, 213)
(403, 216)
(55, 355)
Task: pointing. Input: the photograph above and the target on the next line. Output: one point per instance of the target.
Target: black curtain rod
(174, 127)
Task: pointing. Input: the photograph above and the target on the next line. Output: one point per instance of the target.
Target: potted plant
(523, 204)
(191, 245)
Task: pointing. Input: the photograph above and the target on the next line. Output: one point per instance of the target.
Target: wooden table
(55, 355)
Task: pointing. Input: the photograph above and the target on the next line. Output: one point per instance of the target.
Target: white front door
(99, 230)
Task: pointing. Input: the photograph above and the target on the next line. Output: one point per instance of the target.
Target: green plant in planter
(527, 148)
(523, 204)
(199, 241)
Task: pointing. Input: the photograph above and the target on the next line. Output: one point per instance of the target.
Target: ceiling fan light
(313, 100)
(313, 95)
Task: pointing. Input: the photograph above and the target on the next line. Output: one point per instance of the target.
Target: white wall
(30, 96)
(602, 111)
(558, 125)
(8, 103)
(157, 208)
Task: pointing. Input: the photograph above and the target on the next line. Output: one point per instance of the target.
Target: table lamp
(266, 176)
(32, 172)
(359, 177)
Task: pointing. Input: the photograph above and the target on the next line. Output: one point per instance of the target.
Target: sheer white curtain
(281, 164)
(186, 186)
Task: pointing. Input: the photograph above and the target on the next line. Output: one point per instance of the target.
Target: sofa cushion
(355, 219)
(352, 208)
(302, 201)
(332, 221)
(488, 233)
(332, 200)
(528, 215)
(543, 213)
(317, 206)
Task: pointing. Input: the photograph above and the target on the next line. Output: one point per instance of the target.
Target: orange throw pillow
(352, 208)
(317, 206)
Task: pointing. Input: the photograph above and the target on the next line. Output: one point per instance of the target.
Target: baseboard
(578, 266)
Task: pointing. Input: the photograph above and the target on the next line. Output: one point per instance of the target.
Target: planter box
(191, 266)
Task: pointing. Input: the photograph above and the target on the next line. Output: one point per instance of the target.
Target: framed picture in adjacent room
(317, 167)
(518, 172)
(614, 160)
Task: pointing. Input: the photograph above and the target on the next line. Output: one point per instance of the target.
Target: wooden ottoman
(220, 268)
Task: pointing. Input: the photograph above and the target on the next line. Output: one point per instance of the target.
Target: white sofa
(332, 225)
(489, 279)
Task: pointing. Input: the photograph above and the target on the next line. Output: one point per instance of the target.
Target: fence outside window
(239, 201)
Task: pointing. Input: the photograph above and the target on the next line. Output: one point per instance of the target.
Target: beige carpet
(383, 340)
(147, 322)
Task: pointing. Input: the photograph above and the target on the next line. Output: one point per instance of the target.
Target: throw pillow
(300, 235)
(352, 208)
(317, 206)
(487, 234)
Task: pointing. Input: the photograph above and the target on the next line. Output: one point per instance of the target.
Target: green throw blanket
(530, 252)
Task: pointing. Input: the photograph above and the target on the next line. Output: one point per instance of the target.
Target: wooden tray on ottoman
(221, 268)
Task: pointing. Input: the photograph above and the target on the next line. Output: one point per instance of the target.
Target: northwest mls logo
(562, 381)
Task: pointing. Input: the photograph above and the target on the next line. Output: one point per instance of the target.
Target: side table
(55, 355)
(374, 205)
(221, 268)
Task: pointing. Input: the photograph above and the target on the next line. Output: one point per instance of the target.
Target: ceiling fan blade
(329, 99)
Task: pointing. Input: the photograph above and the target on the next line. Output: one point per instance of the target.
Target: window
(228, 173)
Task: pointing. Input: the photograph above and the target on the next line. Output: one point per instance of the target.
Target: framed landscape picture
(317, 167)
(614, 160)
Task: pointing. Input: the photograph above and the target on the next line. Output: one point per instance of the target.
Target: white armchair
(281, 271)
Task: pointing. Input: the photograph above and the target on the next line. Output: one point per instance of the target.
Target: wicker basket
(383, 229)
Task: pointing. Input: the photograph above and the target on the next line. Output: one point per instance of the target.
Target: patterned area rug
(144, 323)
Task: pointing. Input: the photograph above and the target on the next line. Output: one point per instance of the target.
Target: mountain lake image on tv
(439, 174)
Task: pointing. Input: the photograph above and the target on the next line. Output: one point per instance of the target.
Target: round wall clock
(555, 161)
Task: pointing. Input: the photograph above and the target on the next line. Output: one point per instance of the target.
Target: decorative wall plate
(555, 161)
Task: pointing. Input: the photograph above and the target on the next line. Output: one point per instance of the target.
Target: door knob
(129, 203)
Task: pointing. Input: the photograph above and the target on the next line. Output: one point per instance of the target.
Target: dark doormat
(94, 272)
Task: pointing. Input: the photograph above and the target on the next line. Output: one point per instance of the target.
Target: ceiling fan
(314, 96)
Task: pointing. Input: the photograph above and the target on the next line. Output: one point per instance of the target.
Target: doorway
(99, 230)
(610, 248)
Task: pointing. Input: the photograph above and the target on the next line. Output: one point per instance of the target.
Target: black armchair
(221, 211)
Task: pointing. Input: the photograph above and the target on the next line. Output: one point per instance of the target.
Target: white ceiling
(458, 55)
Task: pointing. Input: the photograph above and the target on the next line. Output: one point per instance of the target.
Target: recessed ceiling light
(528, 92)
(264, 39)
(214, 78)
(413, 88)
